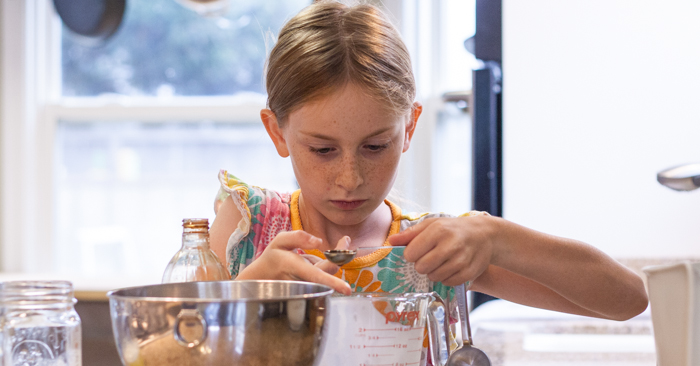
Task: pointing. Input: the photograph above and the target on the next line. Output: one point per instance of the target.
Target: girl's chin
(344, 217)
(348, 218)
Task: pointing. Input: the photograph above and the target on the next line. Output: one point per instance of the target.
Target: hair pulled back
(328, 45)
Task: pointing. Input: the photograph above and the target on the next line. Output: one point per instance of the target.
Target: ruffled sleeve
(239, 192)
(264, 214)
(475, 213)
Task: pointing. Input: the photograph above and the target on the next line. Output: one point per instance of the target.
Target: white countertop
(516, 335)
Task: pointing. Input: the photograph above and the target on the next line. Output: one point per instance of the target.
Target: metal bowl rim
(392, 296)
(111, 294)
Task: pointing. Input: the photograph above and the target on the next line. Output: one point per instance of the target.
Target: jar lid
(34, 293)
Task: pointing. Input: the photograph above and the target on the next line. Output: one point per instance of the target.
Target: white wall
(599, 96)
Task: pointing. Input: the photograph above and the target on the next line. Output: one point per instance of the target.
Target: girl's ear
(273, 129)
(411, 124)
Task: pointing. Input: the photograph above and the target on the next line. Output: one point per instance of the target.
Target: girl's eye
(321, 151)
(376, 147)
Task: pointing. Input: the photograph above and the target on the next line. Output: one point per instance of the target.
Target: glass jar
(38, 324)
(195, 261)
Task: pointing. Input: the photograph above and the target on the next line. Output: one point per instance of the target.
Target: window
(123, 186)
(130, 135)
(114, 145)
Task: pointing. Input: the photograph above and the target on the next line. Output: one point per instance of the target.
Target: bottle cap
(195, 224)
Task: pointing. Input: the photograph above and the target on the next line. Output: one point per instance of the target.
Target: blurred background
(107, 147)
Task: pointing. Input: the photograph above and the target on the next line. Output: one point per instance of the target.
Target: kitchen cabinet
(98, 342)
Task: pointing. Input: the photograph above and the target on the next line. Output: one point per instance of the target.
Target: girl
(341, 107)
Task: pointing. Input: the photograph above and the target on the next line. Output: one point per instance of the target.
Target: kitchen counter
(516, 335)
(511, 334)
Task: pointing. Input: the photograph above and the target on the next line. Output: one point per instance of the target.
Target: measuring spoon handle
(461, 293)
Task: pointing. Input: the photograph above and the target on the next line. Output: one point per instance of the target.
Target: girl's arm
(515, 263)
(226, 221)
(582, 279)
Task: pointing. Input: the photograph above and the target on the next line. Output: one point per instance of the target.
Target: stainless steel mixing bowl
(251, 323)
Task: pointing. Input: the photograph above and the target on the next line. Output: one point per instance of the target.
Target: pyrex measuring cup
(385, 329)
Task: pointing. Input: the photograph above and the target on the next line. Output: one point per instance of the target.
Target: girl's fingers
(291, 240)
(450, 268)
(311, 268)
(311, 258)
(306, 272)
(455, 280)
(327, 266)
(430, 264)
(406, 236)
(443, 250)
(422, 243)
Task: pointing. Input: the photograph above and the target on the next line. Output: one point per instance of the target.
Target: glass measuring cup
(378, 328)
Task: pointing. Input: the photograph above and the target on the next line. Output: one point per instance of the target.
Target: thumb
(343, 243)
(405, 237)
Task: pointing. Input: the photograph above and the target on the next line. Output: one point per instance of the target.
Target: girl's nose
(349, 176)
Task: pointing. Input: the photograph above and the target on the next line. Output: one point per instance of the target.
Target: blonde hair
(328, 45)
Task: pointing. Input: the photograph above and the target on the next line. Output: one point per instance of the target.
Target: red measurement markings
(362, 346)
(378, 337)
(409, 329)
(362, 330)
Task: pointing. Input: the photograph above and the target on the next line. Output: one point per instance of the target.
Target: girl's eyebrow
(329, 138)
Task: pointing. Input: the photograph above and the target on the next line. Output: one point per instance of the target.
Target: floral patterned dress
(266, 213)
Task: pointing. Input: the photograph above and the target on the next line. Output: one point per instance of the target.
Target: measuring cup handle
(438, 330)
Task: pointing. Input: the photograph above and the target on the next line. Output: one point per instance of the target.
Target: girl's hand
(449, 250)
(280, 261)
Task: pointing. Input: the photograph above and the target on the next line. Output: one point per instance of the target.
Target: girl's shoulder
(250, 195)
(265, 212)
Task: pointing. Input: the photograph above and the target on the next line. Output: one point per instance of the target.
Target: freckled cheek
(313, 174)
(326, 175)
(381, 171)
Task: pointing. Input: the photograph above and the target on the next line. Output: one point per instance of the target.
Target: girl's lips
(348, 205)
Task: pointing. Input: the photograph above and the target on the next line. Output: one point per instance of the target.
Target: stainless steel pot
(220, 323)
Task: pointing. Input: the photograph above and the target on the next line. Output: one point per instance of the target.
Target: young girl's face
(345, 150)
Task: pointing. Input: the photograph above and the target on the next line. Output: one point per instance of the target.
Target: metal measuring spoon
(343, 256)
(340, 256)
(468, 355)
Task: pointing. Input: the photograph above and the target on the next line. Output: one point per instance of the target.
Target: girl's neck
(371, 232)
